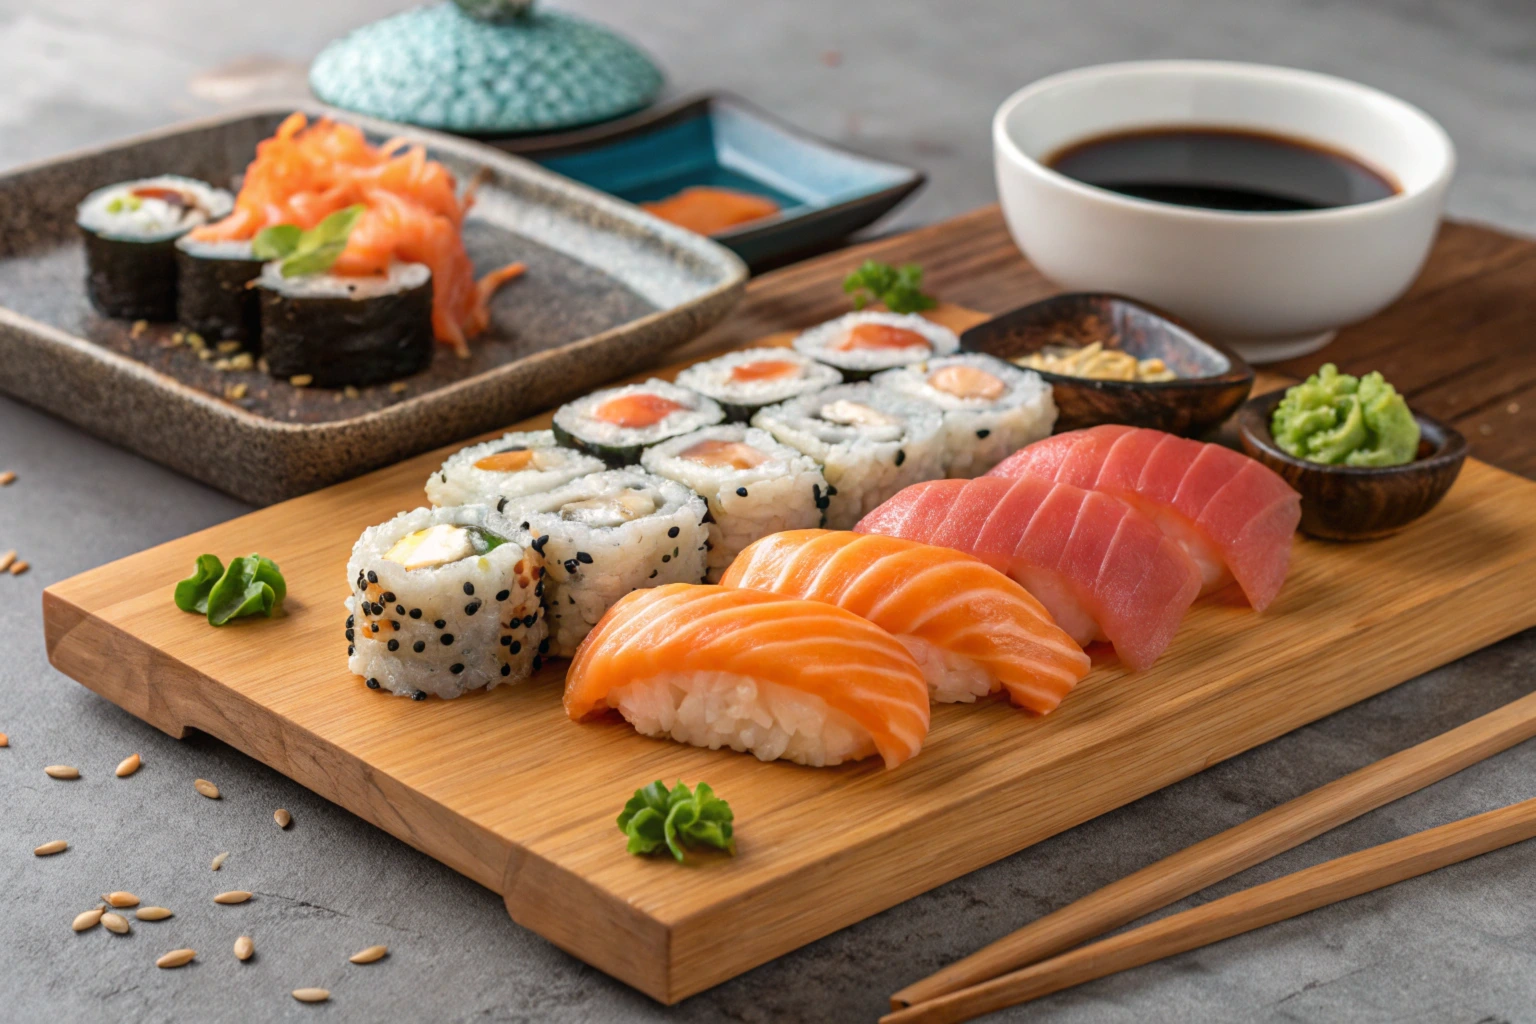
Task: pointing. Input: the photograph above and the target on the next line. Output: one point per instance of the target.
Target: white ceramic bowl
(1271, 285)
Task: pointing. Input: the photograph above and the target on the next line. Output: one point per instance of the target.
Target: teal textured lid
(486, 67)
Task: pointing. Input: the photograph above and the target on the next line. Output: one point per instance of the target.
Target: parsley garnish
(307, 252)
(900, 288)
(655, 816)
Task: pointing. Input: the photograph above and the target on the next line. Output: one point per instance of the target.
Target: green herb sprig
(656, 816)
(252, 585)
(899, 288)
(307, 252)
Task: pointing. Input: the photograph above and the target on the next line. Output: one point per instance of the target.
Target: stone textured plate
(608, 289)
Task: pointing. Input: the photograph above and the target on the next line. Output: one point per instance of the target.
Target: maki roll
(991, 409)
(604, 535)
(753, 484)
(340, 330)
(616, 424)
(214, 293)
(443, 600)
(746, 381)
(871, 442)
(512, 466)
(130, 232)
(861, 344)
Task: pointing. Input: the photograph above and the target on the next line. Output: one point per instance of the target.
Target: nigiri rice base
(723, 709)
(951, 678)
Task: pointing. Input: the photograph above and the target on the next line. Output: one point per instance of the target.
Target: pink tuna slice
(1233, 516)
(1100, 567)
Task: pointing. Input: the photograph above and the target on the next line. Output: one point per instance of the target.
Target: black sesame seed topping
(472, 607)
(501, 506)
(351, 650)
(529, 620)
(538, 590)
(415, 613)
(525, 526)
(440, 623)
(350, 637)
(373, 627)
(373, 577)
(456, 668)
(822, 503)
(419, 646)
(502, 595)
(652, 575)
(538, 662)
(831, 491)
(583, 558)
(419, 695)
(447, 639)
(399, 609)
(349, 622)
(387, 597)
(506, 641)
(741, 492)
(393, 645)
(709, 517)
(506, 670)
(373, 684)
(544, 646)
(672, 532)
(469, 590)
(378, 609)
(666, 558)
(901, 456)
(570, 565)
(516, 645)
(982, 433)
(394, 624)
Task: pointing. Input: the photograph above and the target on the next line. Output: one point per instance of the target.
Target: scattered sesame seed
(196, 340)
(19, 567)
(7, 559)
(302, 380)
(7, 478)
(228, 347)
(398, 387)
(373, 684)
(351, 392)
(1512, 408)
(235, 392)
(419, 695)
(138, 329)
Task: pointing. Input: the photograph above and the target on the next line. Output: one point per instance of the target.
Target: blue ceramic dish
(824, 193)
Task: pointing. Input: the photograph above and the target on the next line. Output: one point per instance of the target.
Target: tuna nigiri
(1233, 516)
(781, 677)
(1100, 567)
(970, 629)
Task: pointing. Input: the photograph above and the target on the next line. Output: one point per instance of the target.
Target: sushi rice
(871, 442)
(990, 408)
(616, 424)
(826, 342)
(443, 600)
(505, 474)
(605, 535)
(746, 381)
(753, 484)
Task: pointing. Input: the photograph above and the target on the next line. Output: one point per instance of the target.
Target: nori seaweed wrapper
(340, 341)
(131, 280)
(214, 298)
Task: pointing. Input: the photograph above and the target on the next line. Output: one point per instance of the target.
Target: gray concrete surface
(911, 81)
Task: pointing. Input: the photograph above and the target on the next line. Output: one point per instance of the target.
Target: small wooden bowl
(1351, 502)
(1213, 380)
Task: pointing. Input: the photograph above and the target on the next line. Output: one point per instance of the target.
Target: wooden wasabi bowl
(1213, 380)
(1351, 502)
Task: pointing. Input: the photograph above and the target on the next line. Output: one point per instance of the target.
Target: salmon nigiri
(1232, 515)
(970, 629)
(781, 677)
(1100, 567)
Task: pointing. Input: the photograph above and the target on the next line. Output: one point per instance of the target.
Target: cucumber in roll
(605, 535)
(512, 466)
(444, 600)
(870, 442)
(991, 409)
(617, 424)
(749, 379)
(861, 344)
(753, 484)
(130, 231)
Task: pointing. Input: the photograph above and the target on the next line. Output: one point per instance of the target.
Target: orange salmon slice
(640, 409)
(879, 336)
(765, 369)
(506, 462)
(724, 453)
(967, 382)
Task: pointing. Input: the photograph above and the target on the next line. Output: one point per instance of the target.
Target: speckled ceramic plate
(608, 289)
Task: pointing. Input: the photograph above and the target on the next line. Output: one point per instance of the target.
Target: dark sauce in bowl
(1222, 169)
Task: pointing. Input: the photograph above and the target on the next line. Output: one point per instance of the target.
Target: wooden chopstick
(1287, 897)
(1240, 847)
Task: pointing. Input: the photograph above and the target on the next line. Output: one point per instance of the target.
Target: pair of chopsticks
(1035, 960)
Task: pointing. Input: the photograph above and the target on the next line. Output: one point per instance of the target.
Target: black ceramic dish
(1355, 503)
(825, 193)
(1213, 380)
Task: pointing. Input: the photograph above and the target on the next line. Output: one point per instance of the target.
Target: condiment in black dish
(1211, 380)
(1353, 502)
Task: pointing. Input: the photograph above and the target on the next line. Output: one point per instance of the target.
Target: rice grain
(128, 766)
(219, 859)
(369, 955)
(232, 897)
(121, 899)
(152, 913)
(62, 771)
(176, 958)
(206, 788)
(50, 848)
(311, 995)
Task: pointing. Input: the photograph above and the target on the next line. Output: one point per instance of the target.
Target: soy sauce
(1222, 169)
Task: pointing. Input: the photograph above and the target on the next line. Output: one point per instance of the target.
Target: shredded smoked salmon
(415, 213)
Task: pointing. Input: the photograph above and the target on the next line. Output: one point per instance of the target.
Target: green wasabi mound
(1338, 420)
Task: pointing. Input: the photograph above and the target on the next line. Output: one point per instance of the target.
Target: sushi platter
(502, 784)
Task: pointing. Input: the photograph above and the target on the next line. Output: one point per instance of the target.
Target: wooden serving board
(502, 787)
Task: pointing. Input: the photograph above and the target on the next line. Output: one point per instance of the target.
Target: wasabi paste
(1339, 420)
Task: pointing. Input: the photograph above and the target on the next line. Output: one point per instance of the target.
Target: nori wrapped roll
(214, 296)
(130, 231)
(347, 330)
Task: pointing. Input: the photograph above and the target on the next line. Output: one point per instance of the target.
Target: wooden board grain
(503, 788)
